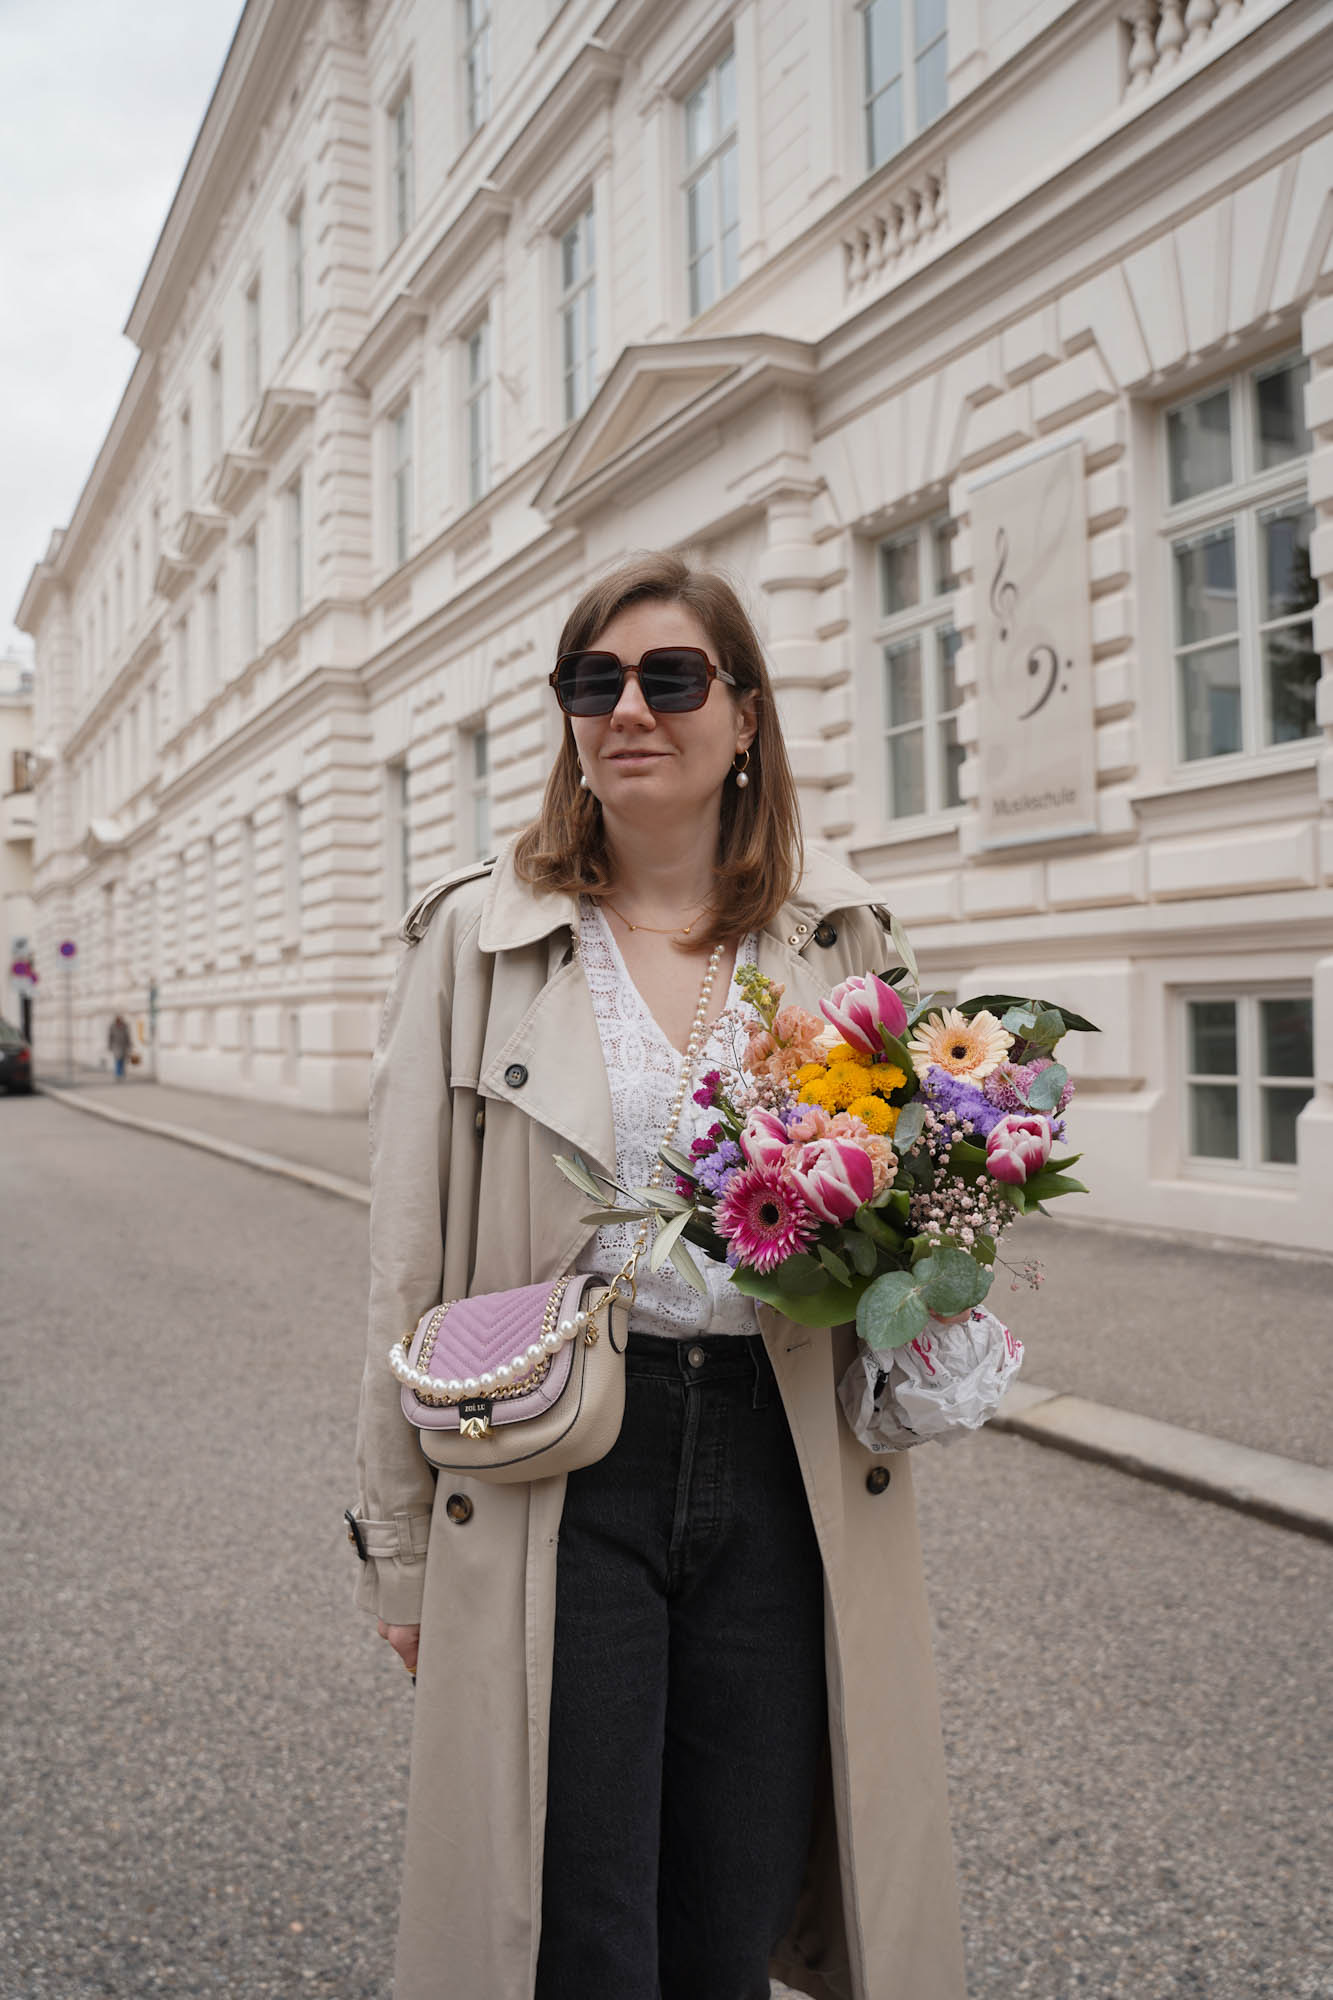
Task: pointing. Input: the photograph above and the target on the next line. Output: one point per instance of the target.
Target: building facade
(988, 343)
(18, 821)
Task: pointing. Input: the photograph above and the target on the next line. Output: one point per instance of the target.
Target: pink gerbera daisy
(763, 1218)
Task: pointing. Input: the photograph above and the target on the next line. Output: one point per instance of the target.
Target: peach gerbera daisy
(951, 1042)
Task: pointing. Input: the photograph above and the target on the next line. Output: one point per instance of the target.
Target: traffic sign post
(68, 953)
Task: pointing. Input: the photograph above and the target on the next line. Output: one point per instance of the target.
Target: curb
(1283, 1491)
(206, 1142)
(1262, 1484)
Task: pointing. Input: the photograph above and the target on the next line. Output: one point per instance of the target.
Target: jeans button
(696, 1357)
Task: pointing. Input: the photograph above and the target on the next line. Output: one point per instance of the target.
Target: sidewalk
(1200, 1368)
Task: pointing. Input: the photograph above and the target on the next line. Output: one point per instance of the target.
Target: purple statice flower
(946, 1092)
(717, 1170)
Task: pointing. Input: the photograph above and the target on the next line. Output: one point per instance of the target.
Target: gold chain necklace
(672, 930)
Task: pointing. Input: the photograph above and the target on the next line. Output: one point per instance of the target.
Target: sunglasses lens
(674, 680)
(589, 683)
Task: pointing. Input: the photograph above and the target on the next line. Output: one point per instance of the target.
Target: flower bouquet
(863, 1163)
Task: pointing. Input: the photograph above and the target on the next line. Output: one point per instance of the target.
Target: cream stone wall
(18, 820)
(1123, 204)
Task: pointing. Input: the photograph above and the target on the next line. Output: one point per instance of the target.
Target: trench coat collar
(515, 913)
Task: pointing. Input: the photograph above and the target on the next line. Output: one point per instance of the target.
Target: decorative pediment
(197, 531)
(173, 573)
(237, 473)
(574, 100)
(481, 221)
(280, 411)
(655, 398)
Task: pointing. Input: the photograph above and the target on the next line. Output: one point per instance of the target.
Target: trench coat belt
(404, 1536)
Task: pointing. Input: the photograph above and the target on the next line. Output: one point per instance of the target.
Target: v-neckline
(647, 1012)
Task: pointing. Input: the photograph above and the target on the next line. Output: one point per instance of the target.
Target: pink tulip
(764, 1139)
(859, 1007)
(1018, 1147)
(834, 1177)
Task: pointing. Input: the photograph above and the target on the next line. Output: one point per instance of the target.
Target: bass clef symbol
(1003, 590)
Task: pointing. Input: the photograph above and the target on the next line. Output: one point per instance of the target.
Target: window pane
(1212, 1025)
(699, 121)
(726, 94)
(899, 574)
(941, 540)
(952, 749)
(884, 43)
(932, 83)
(1210, 702)
(932, 19)
(902, 683)
(1281, 1110)
(1288, 585)
(886, 124)
(731, 257)
(1279, 412)
(1291, 671)
(1286, 1037)
(729, 165)
(1214, 1125)
(1206, 586)
(1198, 442)
(947, 643)
(907, 774)
(699, 214)
(569, 258)
(481, 762)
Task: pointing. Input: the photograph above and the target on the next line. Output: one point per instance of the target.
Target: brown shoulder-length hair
(759, 850)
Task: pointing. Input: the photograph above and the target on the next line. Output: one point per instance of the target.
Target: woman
(675, 1720)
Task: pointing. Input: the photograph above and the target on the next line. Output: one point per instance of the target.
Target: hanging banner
(1034, 651)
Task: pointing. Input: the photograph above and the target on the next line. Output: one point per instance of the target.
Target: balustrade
(894, 229)
(1164, 33)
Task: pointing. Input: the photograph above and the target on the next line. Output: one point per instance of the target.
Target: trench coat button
(877, 1479)
(516, 1075)
(459, 1508)
(480, 1120)
(826, 934)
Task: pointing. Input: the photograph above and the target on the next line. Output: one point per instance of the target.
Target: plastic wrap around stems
(943, 1385)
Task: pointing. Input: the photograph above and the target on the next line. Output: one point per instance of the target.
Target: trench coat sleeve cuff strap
(403, 1538)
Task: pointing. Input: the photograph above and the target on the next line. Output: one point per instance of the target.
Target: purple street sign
(68, 948)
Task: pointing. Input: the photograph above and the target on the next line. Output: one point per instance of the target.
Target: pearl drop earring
(742, 771)
(583, 780)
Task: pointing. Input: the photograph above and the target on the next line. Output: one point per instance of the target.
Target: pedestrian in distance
(118, 1041)
(675, 1730)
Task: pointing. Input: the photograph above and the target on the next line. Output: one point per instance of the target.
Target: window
(210, 900)
(215, 405)
(245, 868)
(475, 799)
(1249, 1069)
(212, 639)
(476, 64)
(182, 671)
(477, 409)
(712, 187)
(400, 483)
(254, 347)
(120, 603)
(918, 644)
(295, 549)
(578, 314)
(295, 269)
(135, 578)
(182, 907)
(291, 868)
(906, 70)
(402, 179)
(397, 842)
(250, 594)
(186, 457)
(1239, 525)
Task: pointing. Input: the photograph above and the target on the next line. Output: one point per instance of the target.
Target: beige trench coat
(488, 1063)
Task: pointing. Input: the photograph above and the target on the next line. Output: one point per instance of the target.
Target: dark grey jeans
(688, 1710)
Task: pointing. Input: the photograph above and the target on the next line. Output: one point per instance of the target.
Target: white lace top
(643, 1070)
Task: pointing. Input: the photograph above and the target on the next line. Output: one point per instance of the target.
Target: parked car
(15, 1059)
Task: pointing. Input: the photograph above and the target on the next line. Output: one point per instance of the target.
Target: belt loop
(762, 1374)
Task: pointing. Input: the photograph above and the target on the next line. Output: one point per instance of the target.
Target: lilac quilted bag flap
(459, 1342)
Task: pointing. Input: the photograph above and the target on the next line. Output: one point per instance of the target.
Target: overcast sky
(99, 106)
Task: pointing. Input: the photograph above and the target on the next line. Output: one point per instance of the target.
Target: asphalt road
(202, 1761)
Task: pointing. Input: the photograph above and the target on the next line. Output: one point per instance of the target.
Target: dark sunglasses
(672, 679)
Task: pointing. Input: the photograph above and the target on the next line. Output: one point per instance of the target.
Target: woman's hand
(404, 1639)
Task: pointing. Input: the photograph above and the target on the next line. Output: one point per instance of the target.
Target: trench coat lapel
(557, 1049)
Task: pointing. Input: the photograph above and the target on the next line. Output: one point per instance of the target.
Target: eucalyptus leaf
(1045, 1089)
(892, 1311)
(575, 1170)
(952, 1282)
(911, 1124)
(1018, 1020)
(903, 946)
(999, 1004)
(1047, 1028)
(834, 1265)
(665, 1240)
(685, 1267)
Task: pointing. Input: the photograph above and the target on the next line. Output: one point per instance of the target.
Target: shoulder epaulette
(418, 917)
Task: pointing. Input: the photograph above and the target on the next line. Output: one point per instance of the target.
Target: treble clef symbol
(1003, 595)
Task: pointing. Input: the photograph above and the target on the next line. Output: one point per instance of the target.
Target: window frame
(402, 183)
(910, 57)
(400, 469)
(1248, 1079)
(578, 299)
(212, 597)
(185, 454)
(215, 424)
(254, 340)
(293, 501)
(475, 56)
(933, 614)
(251, 634)
(397, 840)
(474, 787)
(1239, 505)
(726, 140)
(478, 415)
(296, 247)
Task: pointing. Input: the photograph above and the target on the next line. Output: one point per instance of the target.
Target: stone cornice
(237, 474)
(281, 410)
(173, 573)
(589, 83)
(483, 218)
(400, 322)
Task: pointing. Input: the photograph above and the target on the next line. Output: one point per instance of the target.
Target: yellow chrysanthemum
(809, 1073)
(873, 1112)
(842, 1053)
(886, 1078)
(845, 1081)
(951, 1042)
(816, 1092)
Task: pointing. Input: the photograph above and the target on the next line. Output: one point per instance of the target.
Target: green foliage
(1000, 1004)
(911, 1124)
(1046, 1088)
(834, 1265)
(951, 1280)
(831, 1305)
(892, 1311)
